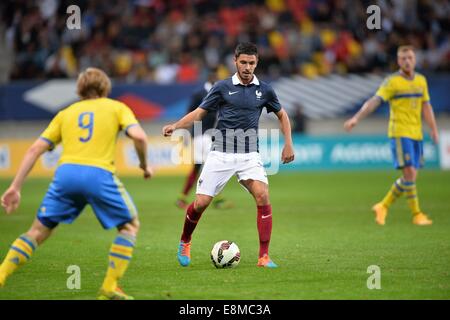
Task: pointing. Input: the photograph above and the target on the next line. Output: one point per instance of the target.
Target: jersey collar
(236, 81)
(406, 77)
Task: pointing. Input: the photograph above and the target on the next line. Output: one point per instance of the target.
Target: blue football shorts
(74, 186)
(407, 152)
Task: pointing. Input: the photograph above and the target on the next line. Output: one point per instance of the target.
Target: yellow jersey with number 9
(405, 97)
(88, 131)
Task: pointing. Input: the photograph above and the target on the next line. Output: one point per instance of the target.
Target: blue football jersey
(239, 108)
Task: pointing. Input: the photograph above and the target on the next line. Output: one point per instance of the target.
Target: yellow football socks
(399, 188)
(394, 193)
(412, 198)
(19, 253)
(119, 259)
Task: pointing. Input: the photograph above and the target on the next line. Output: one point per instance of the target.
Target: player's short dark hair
(246, 48)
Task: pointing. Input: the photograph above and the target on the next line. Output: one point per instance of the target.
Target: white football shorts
(220, 167)
(202, 146)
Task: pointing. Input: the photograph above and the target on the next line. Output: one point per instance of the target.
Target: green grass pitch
(324, 238)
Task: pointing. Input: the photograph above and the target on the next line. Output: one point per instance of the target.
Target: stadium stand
(315, 52)
(177, 40)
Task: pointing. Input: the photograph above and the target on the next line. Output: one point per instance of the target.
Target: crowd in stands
(169, 41)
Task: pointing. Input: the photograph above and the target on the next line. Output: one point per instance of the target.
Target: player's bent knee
(409, 173)
(200, 206)
(262, 198)
(131, 227)
(202, 202)
(136, 225)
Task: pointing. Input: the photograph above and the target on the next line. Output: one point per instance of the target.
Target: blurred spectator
(56, 66)
(177, 40)
(298, 119)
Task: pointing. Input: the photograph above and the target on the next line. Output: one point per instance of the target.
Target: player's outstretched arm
(428, 116)
(368, 107)
(139, 137)
(11, 198)
(185, 122)
(287, 155)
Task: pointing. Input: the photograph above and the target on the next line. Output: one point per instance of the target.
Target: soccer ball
(225, 254)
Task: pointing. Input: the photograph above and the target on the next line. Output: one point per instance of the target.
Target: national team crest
(258, 94)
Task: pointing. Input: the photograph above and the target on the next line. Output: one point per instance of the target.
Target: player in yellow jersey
(88, 131)
(409, 100)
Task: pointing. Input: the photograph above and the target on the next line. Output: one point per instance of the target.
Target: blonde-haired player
(85, 175)
(409, 100)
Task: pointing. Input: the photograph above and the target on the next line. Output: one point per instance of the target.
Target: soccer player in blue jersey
(409, 100)
(88, 132)
(201, 145)
(239, 101)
